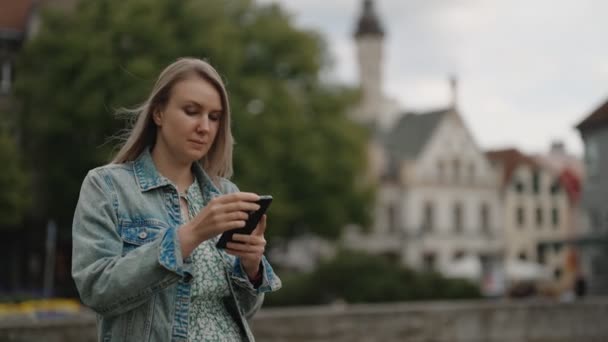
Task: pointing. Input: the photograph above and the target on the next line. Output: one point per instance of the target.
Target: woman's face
(189, 123)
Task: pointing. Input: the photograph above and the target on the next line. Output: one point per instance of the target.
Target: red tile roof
(14, 14)
(598, 118)
(567, 169)
(510, 159)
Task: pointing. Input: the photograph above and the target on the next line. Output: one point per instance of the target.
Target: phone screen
(250, 224)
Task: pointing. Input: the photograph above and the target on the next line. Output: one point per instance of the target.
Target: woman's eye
(190, 111)
(214, 116)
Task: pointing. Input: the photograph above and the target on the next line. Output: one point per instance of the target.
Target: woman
(145, 227)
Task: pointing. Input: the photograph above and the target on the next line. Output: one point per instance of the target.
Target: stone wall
(535, 321)
(525, 321)
(74, 329)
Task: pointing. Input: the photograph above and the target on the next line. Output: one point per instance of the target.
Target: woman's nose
(203, 124)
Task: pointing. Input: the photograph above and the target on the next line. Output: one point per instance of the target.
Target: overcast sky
(528, 70)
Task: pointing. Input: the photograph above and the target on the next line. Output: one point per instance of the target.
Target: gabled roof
(599, 118)
(411, 133)
(565, 171)
(14, 16)
(510, 159)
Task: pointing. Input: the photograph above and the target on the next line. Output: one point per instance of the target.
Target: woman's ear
(157, 116)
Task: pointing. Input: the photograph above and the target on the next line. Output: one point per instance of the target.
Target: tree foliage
(293, 138)
(14, 181)
(356, 277)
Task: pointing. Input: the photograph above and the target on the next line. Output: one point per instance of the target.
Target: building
(438, 197)
(593, 239)
(538, 214)
(437, 201)
(374, 109)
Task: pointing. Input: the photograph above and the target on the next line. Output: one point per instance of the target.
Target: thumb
(261, 228)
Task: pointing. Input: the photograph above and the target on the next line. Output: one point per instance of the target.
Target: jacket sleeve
(107, 281)
(250, 299)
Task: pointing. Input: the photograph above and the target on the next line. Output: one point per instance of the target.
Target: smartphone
(250, 224)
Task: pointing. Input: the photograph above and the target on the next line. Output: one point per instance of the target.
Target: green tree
(14, 197)
(357, 277)
(293, 139)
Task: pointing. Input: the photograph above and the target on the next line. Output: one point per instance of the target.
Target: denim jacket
(127, 262)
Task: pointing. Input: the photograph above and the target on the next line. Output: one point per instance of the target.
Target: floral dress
(209, 320)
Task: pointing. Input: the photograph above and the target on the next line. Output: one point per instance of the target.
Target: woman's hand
(249, 248)
(222, 213)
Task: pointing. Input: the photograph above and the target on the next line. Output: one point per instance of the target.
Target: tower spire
(368, 24)
(369, 37)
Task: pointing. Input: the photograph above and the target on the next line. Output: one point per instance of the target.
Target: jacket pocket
(136, 233)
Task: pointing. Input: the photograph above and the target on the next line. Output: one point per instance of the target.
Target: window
(519, 186)
(595, 220)
(456, 169)
(520, 217)
(6, 77)
(557, 273)
(536, 182)
(539, 217)
(441, 170)
(522, 256)
(427, 218)
(555, 188)
(472, 173)
(592, 157)
(484, 216)
(458, 218)
(429, 259)
(540, 253)
(458, 255)
(555, 217)
(557, 247)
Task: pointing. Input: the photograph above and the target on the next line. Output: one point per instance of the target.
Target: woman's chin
(196, 155)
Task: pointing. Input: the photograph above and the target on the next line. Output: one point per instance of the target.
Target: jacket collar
(148, 177)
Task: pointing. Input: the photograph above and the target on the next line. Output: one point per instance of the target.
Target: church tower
(369, 37)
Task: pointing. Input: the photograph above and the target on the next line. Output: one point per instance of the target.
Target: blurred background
(430, 151)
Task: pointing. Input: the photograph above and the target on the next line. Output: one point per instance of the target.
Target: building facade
(593, 240)
(437, 200)
(538, 215)
(438, 197)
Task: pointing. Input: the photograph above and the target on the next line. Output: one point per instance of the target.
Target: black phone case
(250, 224)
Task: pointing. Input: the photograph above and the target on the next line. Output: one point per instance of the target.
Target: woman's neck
(179, 173)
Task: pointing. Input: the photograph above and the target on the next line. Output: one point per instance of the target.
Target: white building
(538, 214)
(438, 198)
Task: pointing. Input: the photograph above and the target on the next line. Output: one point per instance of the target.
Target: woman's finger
(237, 246)
(238, 206)
(237, 196)
(261, 228)
(249, 239)
(256, 257)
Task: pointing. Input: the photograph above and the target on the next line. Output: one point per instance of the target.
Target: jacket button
(143, 235)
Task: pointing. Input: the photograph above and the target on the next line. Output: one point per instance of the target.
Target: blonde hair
(218, 161)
